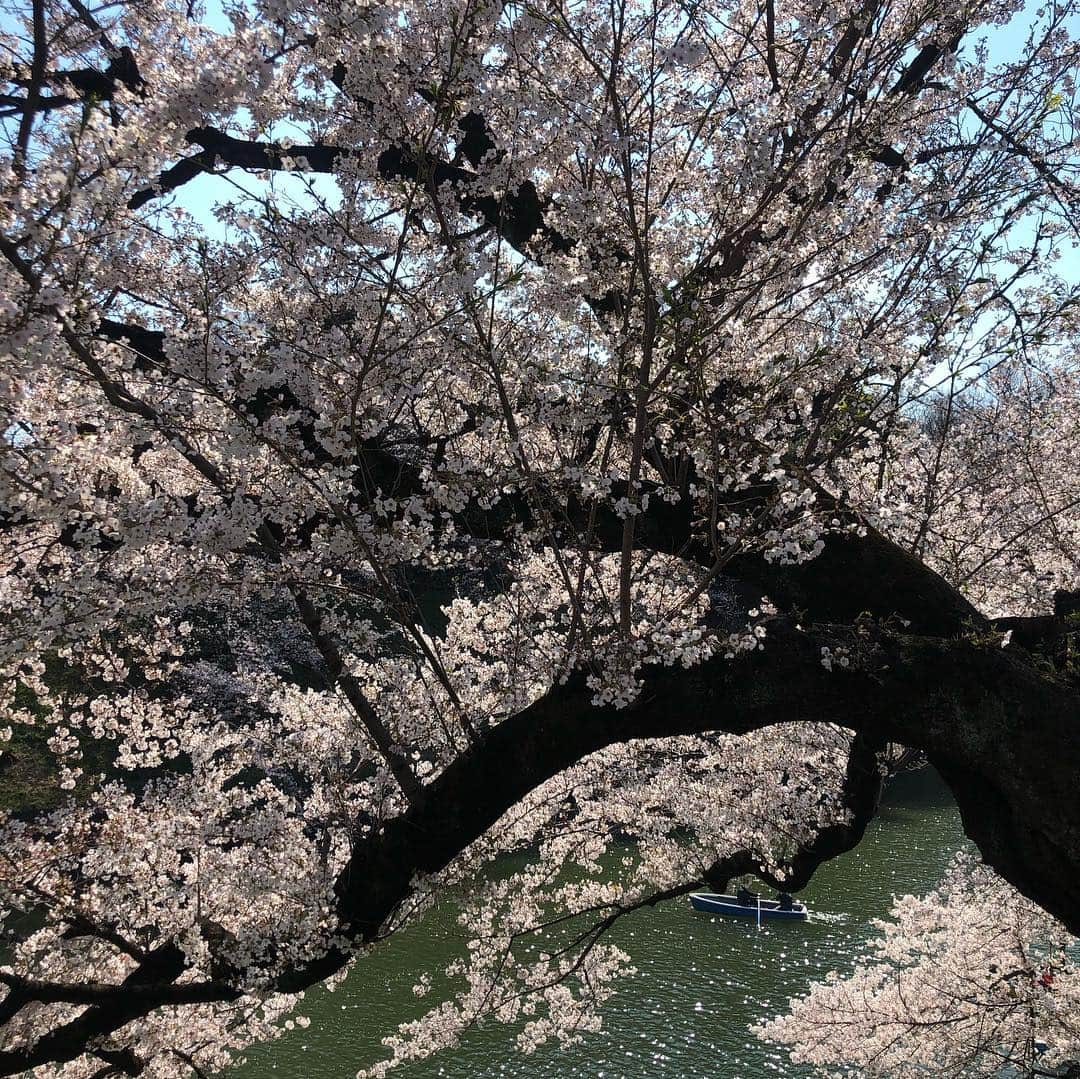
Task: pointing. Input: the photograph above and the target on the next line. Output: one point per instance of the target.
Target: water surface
(701, 980)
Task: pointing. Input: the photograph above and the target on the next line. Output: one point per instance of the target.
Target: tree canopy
(438, 429)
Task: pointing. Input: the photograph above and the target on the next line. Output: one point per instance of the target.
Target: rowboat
(710, 903)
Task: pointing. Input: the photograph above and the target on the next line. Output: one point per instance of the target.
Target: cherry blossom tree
(971, 980)
(434, 430)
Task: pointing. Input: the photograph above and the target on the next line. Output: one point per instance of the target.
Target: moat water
(701, 981)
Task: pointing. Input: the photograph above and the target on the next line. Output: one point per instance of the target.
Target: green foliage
(29, 779)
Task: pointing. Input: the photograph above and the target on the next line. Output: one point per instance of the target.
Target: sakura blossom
(969, 980)
(434, 431)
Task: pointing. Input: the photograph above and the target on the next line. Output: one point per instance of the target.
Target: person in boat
(744, 896)
(785, 901)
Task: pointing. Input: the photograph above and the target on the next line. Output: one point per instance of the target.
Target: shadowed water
(701, 980)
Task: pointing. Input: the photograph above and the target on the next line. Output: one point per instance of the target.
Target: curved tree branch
(983, 715)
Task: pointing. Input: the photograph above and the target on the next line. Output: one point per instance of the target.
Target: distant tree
(434, 429)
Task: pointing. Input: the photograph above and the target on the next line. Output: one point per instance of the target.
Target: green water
(701, 980)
